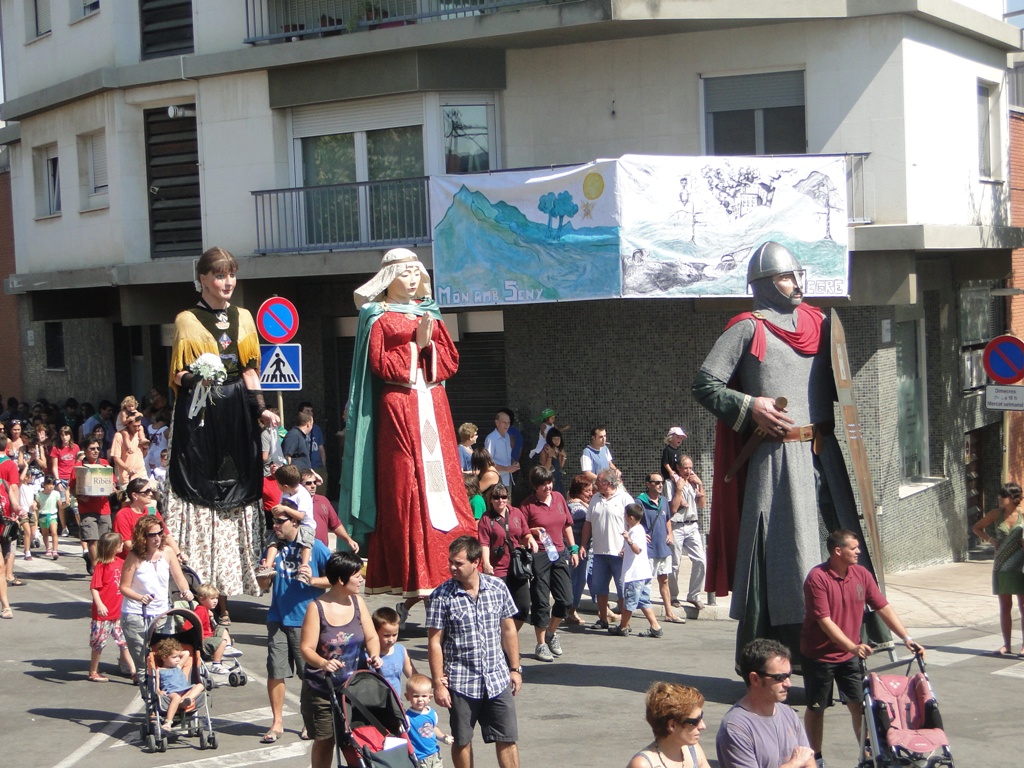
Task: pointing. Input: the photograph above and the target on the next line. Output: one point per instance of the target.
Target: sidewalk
(950, 594)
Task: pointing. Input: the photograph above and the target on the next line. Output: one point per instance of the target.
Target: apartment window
(760, 114)
(988, 130)
(39, 16)
(54, 333)
(468, 133)
(92, 169)
(392, 206)
(912, 414)
(82, 8)
(1015, 80)
(982, 317)
(47, 178)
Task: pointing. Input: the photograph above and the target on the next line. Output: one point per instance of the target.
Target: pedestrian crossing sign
(281, 367)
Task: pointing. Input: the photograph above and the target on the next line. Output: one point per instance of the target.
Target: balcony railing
(336, 217)
(371, 214)
(280, 20)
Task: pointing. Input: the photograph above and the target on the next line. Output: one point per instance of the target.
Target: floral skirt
(223, 548)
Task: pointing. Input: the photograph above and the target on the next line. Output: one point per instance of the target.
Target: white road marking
(1017, 670)
(943, 656)
(97, 739)
(249, 757)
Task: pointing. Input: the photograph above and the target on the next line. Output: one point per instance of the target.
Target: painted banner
(639, 226)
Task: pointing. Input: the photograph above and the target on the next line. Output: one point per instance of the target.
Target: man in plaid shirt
(474, 655)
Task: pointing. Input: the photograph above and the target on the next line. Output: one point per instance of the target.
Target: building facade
(300, 136)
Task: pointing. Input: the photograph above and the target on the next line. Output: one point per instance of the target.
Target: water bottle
(549, 545)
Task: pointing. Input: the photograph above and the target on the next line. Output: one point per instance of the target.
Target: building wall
(88, 374)
(11, 382)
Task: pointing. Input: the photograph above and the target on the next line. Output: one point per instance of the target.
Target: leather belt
(802, 434)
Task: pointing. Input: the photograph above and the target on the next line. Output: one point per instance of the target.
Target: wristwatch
(516, 669)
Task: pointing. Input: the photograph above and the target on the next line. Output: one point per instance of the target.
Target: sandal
(15, 582)
(6, 613)
(305, 734)
(98, 678)
(225, 621)
(271, 736)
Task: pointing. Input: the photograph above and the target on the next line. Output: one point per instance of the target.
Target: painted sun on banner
(640, 226)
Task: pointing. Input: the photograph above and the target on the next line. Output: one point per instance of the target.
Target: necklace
(220, 315)
(661, 757)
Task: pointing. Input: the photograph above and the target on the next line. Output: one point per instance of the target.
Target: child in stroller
(173, 687)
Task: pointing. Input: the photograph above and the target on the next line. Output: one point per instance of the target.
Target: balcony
(374, 214)
(366, 214)
(281, 20)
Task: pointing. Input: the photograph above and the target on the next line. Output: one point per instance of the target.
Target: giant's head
(775, 276)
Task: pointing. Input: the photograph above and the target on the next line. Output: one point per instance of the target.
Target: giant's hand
(772, 420)
(424, 330)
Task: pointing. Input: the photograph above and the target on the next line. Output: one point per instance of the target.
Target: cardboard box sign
(94, 480)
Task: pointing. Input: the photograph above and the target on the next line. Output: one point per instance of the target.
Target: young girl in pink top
(106, 606)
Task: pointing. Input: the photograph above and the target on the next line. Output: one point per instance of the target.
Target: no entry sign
(277, 320)
(1004, 359)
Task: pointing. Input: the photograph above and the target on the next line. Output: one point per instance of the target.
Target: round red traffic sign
(277, 320)
(1004, 359)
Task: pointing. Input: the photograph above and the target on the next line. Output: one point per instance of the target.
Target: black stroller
(370, 728)
(192, 720)
(902, 723)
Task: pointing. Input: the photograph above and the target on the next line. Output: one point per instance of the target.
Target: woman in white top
(144, 583)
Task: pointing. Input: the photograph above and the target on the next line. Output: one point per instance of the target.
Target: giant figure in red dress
(401, 483)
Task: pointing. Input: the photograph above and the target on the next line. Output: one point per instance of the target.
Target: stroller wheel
(234, 680)
(150, 742)
(212, 741)
(203, 741)
(162, 745)
(242, 678)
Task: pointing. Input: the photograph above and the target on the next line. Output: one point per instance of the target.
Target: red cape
(727, 498)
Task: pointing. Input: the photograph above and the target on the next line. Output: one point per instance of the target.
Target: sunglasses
(656, 482)
(310, 483)
(145, 492)
(778, 677)
(498, 497)
(281, 520)
(154, 535)
(694, 721)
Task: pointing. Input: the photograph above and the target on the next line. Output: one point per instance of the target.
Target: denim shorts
(637, 595)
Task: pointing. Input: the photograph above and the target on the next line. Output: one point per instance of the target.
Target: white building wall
(219, 25)
(73, 47)
(862, 95)
(942, 73)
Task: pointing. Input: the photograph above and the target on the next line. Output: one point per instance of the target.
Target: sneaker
(65, 532)
(696, 603)
(37, 542)
(266, 573)
(819, 762)
(304, 579)
(230, 652)
(553, 644)
(599, 624)
(618, 631)
(403, 615)
(543, 653)
(659, 632)
(28, 554)
(88, 562)
(218, 669)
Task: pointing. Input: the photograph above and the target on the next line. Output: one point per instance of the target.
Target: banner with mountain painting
(639, 226)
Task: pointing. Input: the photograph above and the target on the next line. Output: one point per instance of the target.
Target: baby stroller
(902, 722)
(370, 729)
(194, 720)
(236, 675)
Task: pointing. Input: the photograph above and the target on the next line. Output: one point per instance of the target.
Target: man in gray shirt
(761, 730)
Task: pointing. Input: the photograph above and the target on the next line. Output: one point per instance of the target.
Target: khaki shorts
(94, 526)
(317, 715)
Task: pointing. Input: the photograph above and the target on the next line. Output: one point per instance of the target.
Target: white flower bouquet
(209, 368)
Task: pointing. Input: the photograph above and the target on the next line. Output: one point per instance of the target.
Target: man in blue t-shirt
(290, 597)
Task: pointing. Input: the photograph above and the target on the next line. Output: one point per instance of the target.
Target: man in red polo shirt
(835, 593)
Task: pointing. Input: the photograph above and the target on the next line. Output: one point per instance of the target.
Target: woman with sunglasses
(145, 579)
(1007, 525)
(675, 714)
(139, 502)
(501, 529)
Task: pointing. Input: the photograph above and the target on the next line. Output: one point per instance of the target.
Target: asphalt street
(584, 709)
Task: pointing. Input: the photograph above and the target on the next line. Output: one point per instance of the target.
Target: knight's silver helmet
(772, 259)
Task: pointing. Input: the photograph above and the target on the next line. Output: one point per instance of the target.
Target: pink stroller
(902, 723)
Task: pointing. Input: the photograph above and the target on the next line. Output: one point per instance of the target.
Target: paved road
(586, 708)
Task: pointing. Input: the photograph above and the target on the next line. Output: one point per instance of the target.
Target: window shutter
(761, 91)
(43, 24)
(98, 155)
(351, 116)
